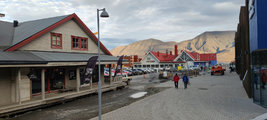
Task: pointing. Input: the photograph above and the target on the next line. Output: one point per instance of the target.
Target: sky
(133, 20)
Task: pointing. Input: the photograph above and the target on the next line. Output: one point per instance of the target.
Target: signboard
(150, 61)
(72, 75)
(179, 67)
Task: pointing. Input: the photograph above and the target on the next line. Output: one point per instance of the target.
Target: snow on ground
(138, 95)
(261, 117)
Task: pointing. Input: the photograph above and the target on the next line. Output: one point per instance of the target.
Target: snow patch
(138, 95)
(261, 117)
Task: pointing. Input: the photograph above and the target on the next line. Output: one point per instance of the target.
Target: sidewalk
(207, 98)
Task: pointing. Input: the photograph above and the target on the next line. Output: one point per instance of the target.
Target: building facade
(158, 60)
(197, 59)
(131, 60)
(43, 61)
(258, 50)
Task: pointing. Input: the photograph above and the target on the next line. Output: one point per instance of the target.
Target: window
(56, 40)
(79, 43)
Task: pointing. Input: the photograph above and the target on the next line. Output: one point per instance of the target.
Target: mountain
(220, 42)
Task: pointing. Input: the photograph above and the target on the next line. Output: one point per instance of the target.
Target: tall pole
(99, 80)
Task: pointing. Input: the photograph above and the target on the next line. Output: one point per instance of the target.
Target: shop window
(259, 77)
(79, 43)
(56, 40)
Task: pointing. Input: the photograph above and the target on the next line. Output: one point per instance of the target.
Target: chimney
(167, 52)
(158, 53)
(170, 52)
(15, 23)
(175, 50)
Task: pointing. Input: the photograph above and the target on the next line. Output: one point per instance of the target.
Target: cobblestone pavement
(207, 98)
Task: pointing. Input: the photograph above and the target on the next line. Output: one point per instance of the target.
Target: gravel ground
(207, 98)
(87, 107)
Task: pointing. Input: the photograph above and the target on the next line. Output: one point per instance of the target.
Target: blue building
(258, 49)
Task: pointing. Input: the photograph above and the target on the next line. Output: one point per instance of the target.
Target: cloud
(226, 6)
(111, 43)
(131, 20)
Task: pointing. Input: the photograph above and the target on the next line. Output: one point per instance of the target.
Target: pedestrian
(176, 80)
(231, 69)
(185, 80)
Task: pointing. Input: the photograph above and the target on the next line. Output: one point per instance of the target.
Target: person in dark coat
(176, 80)
(185, 80)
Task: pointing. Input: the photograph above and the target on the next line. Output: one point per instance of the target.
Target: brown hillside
(220, 42)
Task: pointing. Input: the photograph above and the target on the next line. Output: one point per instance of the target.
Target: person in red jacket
(176, 80)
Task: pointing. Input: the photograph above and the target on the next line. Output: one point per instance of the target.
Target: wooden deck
(53, 98)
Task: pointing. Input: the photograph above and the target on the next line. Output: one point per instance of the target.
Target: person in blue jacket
(185, 80)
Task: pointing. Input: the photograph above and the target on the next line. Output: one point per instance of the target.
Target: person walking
(185, 80)
(176, 80)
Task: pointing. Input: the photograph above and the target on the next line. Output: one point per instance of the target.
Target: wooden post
(91, 83)
(78, 78)
(43, 83)
(110, 74)
(19, 85)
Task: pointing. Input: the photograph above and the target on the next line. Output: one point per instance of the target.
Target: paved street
(207, 98)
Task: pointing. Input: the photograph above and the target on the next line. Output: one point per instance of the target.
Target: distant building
(205, 59)
(131, 60)
(158, 60)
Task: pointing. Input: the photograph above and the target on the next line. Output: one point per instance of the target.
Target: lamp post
(2, 15)
(105, 15)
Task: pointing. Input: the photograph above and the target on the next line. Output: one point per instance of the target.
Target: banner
(89, 70)
(119, 66)
(32, 75)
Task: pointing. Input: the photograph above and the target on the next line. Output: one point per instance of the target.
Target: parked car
(151, 70)
(129, 72)
(194, 68)
(106, 71)
(142, 71)
(135, 72)
(126, 78)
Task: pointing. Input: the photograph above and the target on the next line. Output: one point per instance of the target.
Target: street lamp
(2, 15)
(105, 15)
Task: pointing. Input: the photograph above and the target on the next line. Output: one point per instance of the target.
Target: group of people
(176, 79)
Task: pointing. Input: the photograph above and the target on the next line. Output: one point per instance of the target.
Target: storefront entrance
(54, 80)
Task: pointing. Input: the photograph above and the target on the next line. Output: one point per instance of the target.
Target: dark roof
(25, 32)
(33, 57)
(10, 35)
(71, 57)
(29, 28)
(6, 33)
(19, 57)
